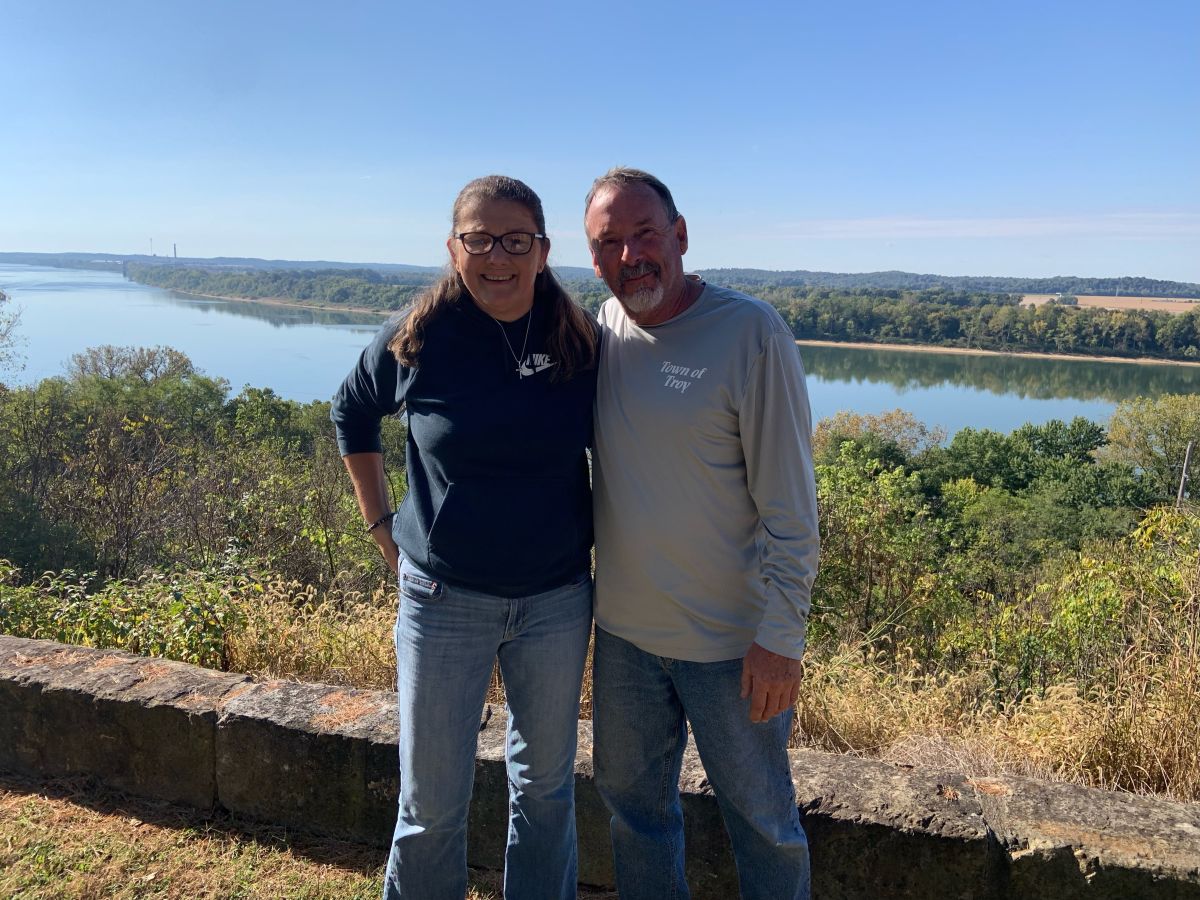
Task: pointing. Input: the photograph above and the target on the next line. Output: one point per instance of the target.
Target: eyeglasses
(515, 243)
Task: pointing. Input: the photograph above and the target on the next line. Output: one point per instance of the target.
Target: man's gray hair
(623, 175)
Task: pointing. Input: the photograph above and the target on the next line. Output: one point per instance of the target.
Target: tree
(896, 426)
(879, 550)
(8, 338)
(1152, 436)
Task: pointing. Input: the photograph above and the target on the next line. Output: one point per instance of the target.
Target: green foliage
(1152, 436)
(182, 616)
(136, 460)
(932, 551)
(8, 327)
(983, 321)
(946, 284)
(878, 571)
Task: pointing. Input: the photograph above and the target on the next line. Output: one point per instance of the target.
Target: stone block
(297, 755)
(146, 726)
(323, 759)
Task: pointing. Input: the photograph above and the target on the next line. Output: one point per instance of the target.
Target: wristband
(386, 517)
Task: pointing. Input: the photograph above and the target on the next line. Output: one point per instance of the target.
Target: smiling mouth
(498, 278)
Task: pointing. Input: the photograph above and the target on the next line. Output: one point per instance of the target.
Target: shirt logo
(534, 363)
(680, 378)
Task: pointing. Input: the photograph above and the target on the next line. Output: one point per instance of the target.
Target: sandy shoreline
(853, 345)
(971, 351)
(279, 301)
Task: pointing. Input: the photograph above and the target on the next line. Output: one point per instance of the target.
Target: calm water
(303, 355)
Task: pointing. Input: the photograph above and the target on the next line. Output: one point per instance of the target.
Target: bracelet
(386, 517)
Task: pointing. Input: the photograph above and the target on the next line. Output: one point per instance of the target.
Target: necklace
(508, 343)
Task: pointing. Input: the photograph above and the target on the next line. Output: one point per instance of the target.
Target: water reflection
(1020, 376)
(277, 315)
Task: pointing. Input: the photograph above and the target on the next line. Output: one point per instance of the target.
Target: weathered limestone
(322, 758)
(146, 726)
(310, 756)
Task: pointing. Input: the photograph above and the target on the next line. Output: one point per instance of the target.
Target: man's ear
(681, 234)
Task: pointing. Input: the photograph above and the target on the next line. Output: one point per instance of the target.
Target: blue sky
(988, 138)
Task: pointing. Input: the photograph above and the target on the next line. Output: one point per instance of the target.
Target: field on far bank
(1157, 304)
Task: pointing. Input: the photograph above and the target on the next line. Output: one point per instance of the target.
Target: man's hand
(770, 681)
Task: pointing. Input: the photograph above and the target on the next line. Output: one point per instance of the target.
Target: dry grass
(62, 840)
(1139, 731)
(290, 631)
(1157, 304)
(344, 638)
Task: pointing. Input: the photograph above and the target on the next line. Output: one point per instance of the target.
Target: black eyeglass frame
(494, 239)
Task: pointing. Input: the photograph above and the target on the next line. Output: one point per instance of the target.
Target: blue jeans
(447, 639)
(641, 706)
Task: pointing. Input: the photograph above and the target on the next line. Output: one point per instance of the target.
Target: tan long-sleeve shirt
(705, 506)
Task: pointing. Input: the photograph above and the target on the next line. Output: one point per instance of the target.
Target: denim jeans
(447, 639)
(641, 706)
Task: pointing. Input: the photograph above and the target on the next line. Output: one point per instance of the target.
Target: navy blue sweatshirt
(498, 491)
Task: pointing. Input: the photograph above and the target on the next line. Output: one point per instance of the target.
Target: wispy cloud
(1131, 225)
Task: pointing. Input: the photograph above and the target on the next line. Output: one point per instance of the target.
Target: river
(303, 354)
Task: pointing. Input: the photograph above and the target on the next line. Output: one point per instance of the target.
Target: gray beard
(643, 301)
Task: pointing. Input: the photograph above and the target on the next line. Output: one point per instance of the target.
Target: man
(706, 549)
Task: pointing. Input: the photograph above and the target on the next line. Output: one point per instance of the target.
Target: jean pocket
(416, 585)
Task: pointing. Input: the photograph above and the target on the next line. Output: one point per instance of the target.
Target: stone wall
(322, 759)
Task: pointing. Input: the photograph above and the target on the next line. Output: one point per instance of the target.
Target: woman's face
(500, 283)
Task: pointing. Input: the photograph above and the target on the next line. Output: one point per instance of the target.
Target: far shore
(853, 345)
(281, 301)
(972, 351)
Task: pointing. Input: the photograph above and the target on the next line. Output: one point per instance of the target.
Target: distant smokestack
(174, 252)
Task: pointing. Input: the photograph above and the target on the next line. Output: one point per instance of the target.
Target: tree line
(969, 319)
(909, 281)
(337, 288)
(985, 322)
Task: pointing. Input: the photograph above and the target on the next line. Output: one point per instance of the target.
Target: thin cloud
(1133, 225)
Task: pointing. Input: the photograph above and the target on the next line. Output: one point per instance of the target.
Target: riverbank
(853, 345)
(973, 351)
(280, 301)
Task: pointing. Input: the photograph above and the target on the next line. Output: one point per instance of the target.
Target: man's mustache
(628, 273)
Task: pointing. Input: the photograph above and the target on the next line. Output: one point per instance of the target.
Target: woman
(496, 369)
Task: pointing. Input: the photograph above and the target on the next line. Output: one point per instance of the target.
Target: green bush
(185, 616)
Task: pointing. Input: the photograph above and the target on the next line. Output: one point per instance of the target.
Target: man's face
(637, 252)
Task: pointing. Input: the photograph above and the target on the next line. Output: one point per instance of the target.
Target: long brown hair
(572, 338)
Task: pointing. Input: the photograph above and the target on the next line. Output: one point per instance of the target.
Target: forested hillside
(910, 281)
(963, 318)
